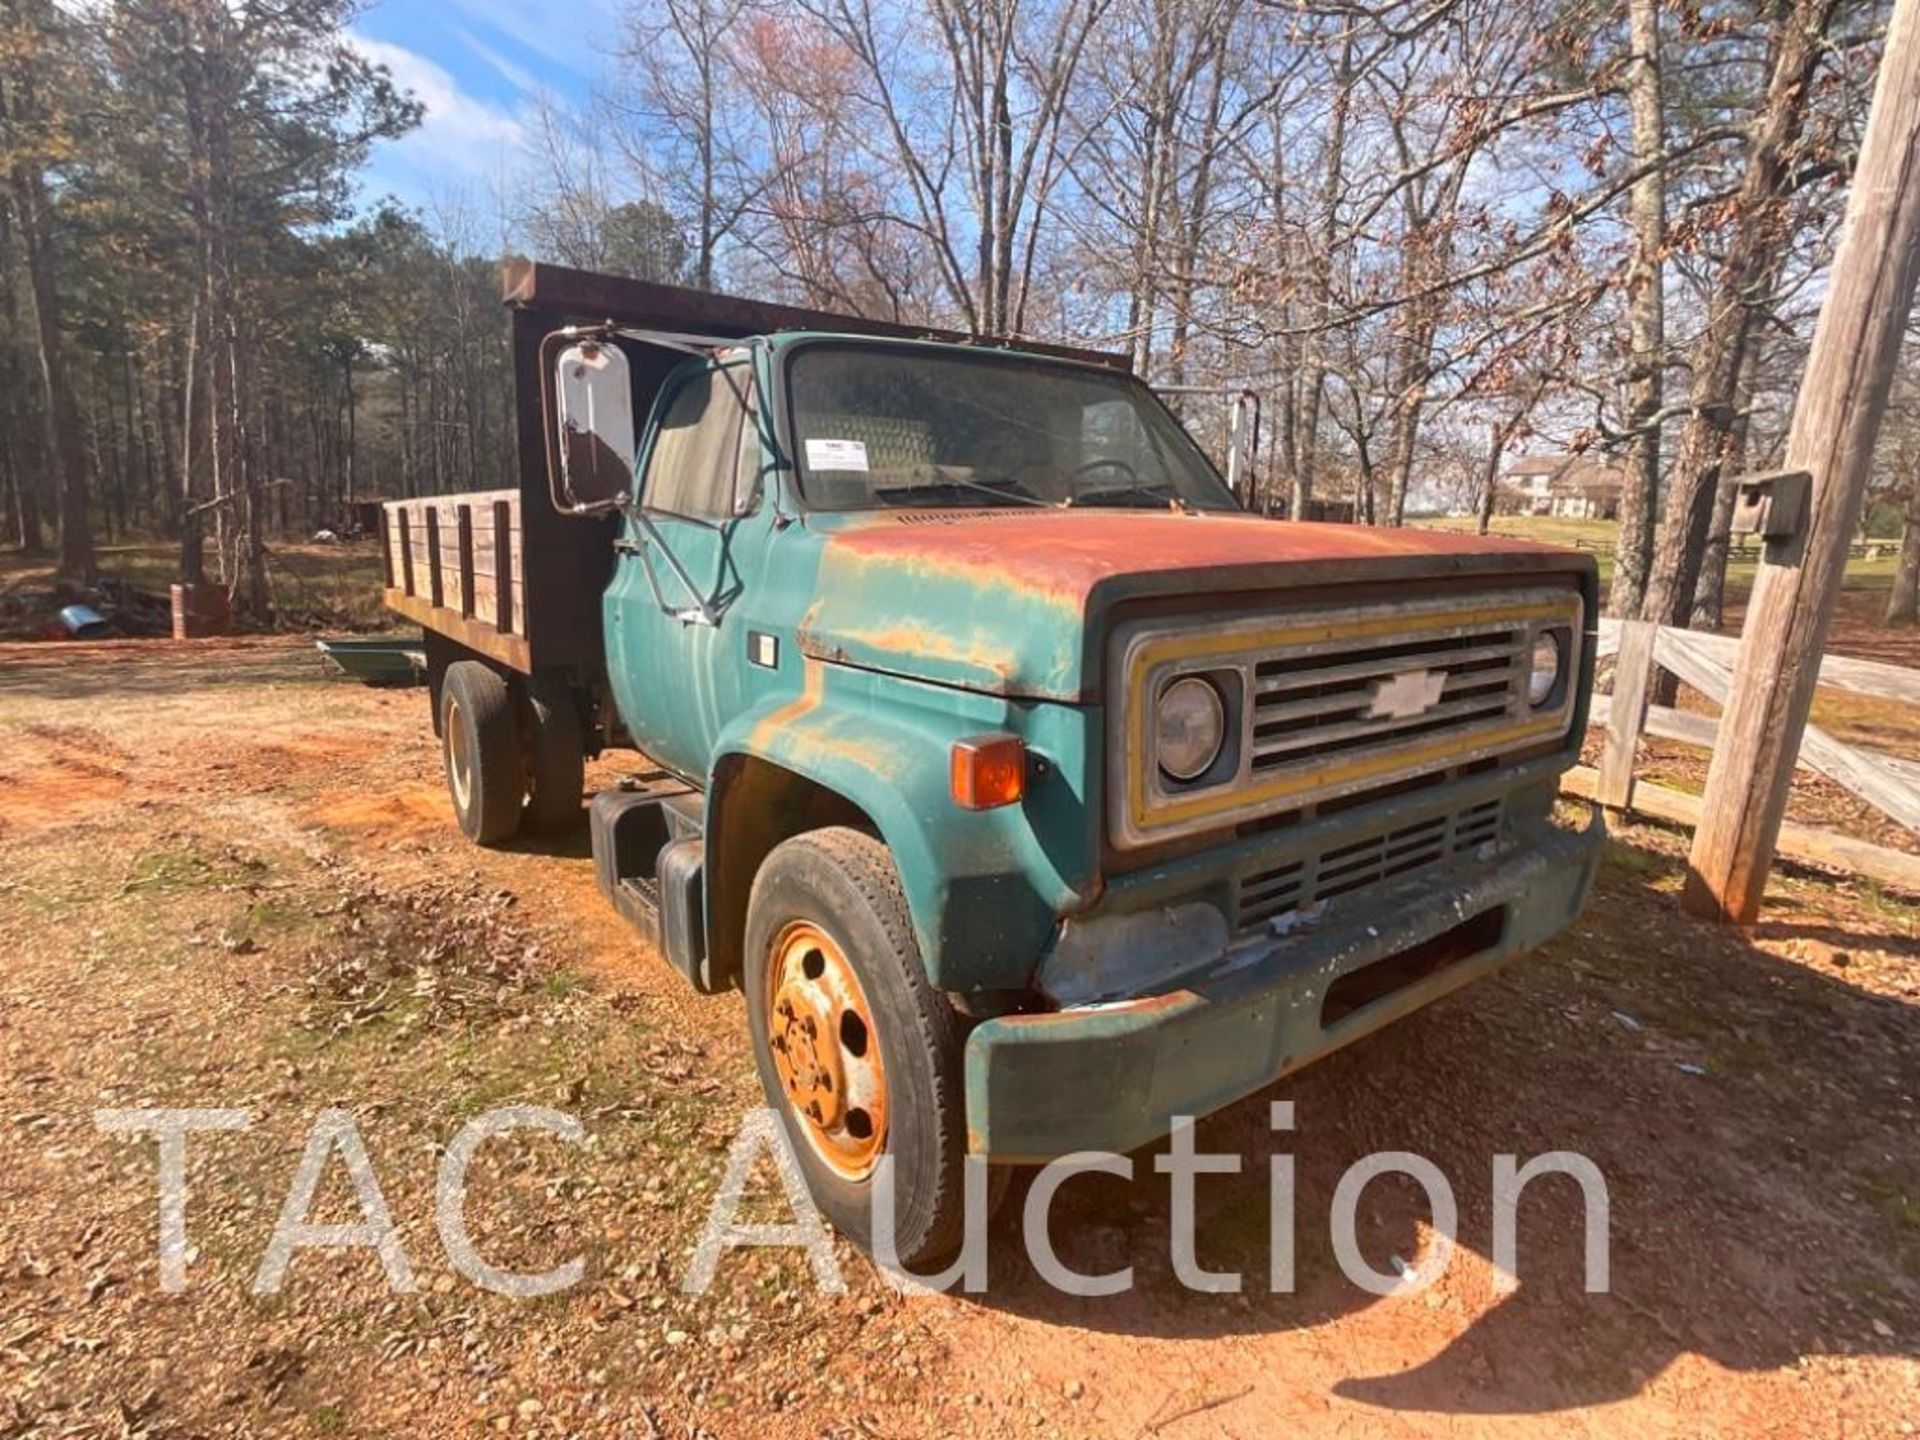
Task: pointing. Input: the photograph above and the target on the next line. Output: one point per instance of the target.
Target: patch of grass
(1893, 907)
(174, 868)
(274, 915)
(1895, 1198)
(559, 984)
(313, 586)
(1649, 864)
(1598, 537)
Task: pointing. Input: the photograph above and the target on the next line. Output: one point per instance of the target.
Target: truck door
(675, 672)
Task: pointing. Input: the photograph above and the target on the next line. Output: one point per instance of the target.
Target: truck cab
(1033, 791)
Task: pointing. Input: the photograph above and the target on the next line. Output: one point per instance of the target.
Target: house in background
(1571, 487)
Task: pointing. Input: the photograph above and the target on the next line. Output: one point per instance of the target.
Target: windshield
(887, 425)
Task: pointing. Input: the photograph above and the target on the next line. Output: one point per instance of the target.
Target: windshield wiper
(958, 484)
(1111, 496)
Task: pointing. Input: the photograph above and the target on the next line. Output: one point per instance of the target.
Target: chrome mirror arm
(700, 612)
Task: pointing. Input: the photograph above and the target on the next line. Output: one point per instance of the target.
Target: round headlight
(1189, 728)
(1547, 659)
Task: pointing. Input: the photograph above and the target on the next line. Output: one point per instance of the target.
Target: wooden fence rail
(1704, 662)
(1741, 549)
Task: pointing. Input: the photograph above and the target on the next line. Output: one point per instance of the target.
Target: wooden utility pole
(1835, 422)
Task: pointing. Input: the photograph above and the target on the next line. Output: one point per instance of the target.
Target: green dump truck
(1032, 791)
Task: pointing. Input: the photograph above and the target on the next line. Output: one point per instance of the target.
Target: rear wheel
(480, 745)
(556, 758)
(855, 1049)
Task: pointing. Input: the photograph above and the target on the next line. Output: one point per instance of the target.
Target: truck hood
(1012, 602)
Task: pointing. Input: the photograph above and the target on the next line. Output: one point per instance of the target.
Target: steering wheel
(1105, 462)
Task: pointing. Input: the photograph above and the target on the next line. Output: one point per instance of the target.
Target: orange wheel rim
(826, 1049)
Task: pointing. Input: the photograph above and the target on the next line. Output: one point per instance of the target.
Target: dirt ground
(227, 882)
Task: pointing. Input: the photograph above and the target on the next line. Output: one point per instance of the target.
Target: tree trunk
(1710, 592)
(1490, 481)
(63, 415)
(1903, 605)
(353, 423)
(1751, 249)
(1411, 367)
(193, 544)
(23, 431)
(1193, 226)
(1647, 205)
(1320, 292)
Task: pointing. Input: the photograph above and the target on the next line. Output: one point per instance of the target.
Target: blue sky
(479, 67)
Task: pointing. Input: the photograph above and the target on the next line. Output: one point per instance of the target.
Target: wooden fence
(1704, 662)
(1749, 550)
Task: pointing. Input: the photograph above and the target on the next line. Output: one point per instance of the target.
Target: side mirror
(593, 396)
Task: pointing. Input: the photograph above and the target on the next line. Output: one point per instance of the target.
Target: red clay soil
(227, 882)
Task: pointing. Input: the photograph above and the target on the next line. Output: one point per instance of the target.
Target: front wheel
(855, 1049)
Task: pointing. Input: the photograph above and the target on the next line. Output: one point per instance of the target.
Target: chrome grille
(1311, 706)
(1268, 895)
(1336, 704)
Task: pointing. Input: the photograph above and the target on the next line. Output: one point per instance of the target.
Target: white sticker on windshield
(836, 455)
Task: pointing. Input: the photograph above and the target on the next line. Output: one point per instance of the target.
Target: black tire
(556, 758)
(480, 749)
(843, 883)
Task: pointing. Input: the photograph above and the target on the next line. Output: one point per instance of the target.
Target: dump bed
(502, 572)
(456, 564)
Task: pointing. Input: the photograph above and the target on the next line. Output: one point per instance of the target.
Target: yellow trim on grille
(1229, 797)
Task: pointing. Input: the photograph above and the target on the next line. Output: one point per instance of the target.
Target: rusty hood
(1012, 601)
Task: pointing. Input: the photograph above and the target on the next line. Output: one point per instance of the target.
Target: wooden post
(503, 566)
(436, 578)
(406, 552)
(1626, 714)
(1836, 419)
(463, 538)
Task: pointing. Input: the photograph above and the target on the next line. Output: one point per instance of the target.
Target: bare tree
(975, 139)
(1759, 230)
(30, 131)
(684, 99)
(1646, 310)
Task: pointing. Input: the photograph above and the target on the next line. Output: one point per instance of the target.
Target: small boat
(381, 661)
(83, 622)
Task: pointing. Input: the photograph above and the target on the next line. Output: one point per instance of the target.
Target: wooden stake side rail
(1704, 662)
(456, 564)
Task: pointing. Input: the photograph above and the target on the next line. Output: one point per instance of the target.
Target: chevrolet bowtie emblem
(1410, 693)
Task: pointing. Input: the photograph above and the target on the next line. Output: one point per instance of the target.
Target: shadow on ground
(1755, 1122)
(120, 670)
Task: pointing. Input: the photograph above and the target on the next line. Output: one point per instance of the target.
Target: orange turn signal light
(989, 771)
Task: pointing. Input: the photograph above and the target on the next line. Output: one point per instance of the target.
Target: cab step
(649, 858)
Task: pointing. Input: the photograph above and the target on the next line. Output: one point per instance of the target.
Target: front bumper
(1113, 1076)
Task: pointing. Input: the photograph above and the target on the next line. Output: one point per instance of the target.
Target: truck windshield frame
(878, 426)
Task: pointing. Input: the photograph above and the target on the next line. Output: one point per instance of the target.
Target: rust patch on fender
(978, 650)
(812, 677)
(1144, 1007)
(775, 735)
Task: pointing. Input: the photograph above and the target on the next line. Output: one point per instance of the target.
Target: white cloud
(460, 137)
(515, 75)
(579, 44)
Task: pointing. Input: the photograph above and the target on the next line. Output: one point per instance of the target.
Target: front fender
(984, 887)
